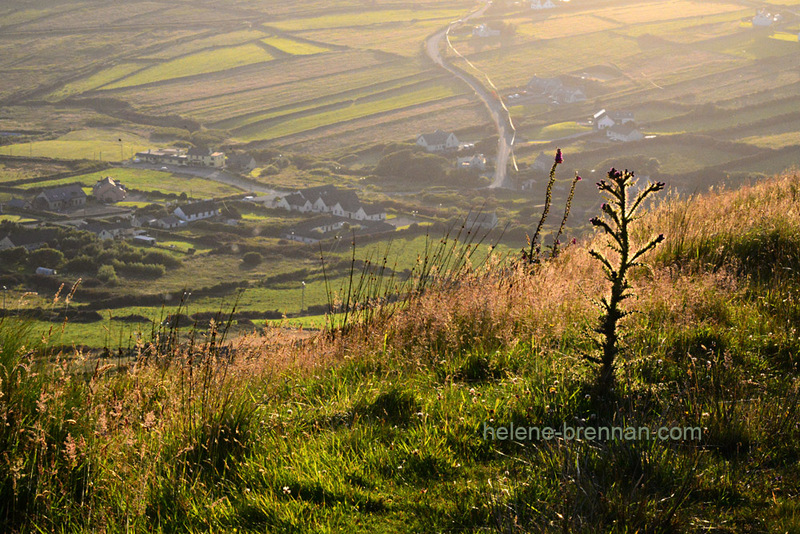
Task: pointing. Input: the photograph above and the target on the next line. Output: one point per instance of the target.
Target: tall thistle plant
(532, 256)
(617, 215)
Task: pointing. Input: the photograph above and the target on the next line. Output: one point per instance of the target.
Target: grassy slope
(383, 433)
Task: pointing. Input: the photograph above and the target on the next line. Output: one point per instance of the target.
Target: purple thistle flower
(559, 157)
(578, 178)
(574, 241)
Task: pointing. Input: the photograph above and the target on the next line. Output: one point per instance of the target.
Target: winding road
(497, 109)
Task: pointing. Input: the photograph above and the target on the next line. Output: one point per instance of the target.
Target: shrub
(46, 257)
(252, 259)
(107, 274)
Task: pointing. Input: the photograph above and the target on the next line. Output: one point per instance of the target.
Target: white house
(329, 199)
(483, 30)
(538, 4)
(606, 119)
(764, 18)
(168, 222)
(197, 211)
(477, 161)
(438, 141)
(624, 133)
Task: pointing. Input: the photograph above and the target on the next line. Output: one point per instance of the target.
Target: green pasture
(262, 85)
(94, 81)
(365, 18)
(292, 46)
(223, 39)
(281, 128)
(555, 131)
(199, 63)
(90, 143)
(514, 66)
(370, 92)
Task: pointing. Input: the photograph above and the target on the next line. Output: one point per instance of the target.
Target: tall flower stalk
(617, 215)
(532, 256)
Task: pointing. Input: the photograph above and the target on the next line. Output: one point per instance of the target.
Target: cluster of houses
(71, 196)
(329, 199)
(339, 208)
(119, 227)
(765, 18)
(555, 90)
(618, 125)
(197, 157)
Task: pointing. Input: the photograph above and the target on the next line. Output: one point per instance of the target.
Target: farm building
(165, 156)
(59, 198)
(109, 190)
(28, 239)
(438, 141)
(241, 162)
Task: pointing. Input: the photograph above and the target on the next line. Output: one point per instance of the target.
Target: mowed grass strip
(223, 39)
(252, 80)
(362, 18)
(289, 126)
(293, 47)
(91, 143)
(353, 95)
(94, 81)
(229, 110)
(200, 63)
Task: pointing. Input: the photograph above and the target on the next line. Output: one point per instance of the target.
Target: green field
(293, 47)
(282, 128)
(89, 143)
(199, 63)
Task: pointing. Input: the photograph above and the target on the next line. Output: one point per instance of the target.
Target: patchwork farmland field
(199, 63)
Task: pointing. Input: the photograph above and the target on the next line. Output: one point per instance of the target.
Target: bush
(13, 256)
(46, 257)
(81, 264)
(107, 274)
(251, 259)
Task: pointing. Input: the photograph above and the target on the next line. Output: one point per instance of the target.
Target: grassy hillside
(382, 428)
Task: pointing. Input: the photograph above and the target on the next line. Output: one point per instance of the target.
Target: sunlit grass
(293, 47)
(199, 63)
